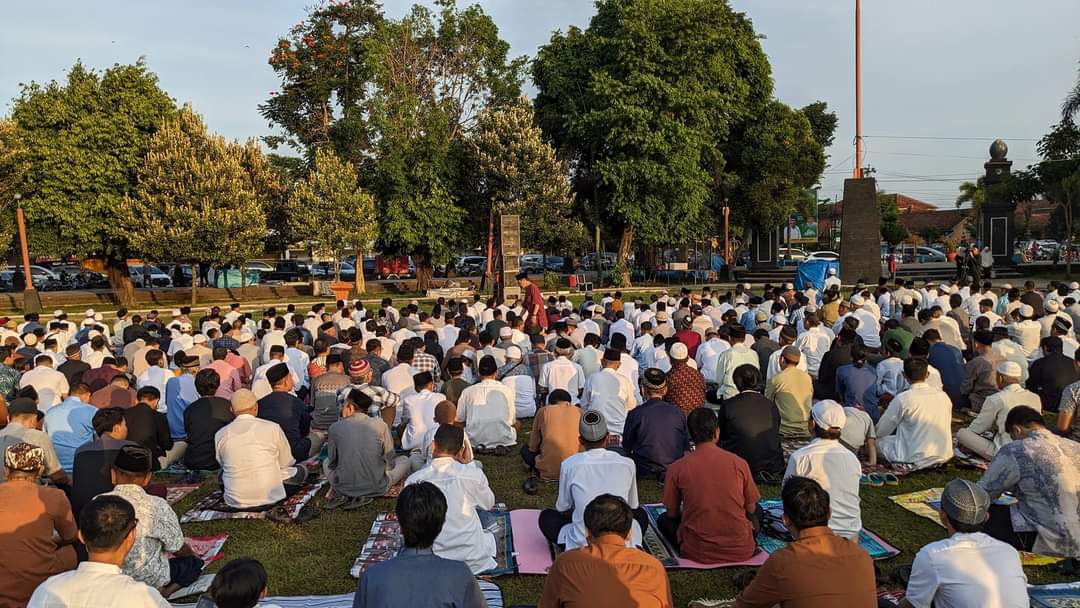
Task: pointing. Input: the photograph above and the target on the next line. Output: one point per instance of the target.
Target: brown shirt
(607, 574)
(819, 570)
(29, 515)
(712, 490)
(555, 436)
(113, 396)
(686, 387)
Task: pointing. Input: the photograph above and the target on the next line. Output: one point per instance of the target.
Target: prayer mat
(200, 586)
(1058, 595)
(206, 548)
(492, 595)
(385, 541)
(962, 458)
(395, 490)
(657, 545)
(892, 595)
(925, 503)
(898, 469)
(872, 543)
(180, 491)
(790, 444)
(212, 506)
(531, 549)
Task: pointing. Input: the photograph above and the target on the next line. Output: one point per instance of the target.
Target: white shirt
(624, 327)
(96, 358)
(488, 410)
(156, 377)
(589, 326)
(51, 385)
(922, 420)
(1010, 351)
(813, 344)
(419, 412)
(93, 585)
(628, 367)
(610, 393)
(774, 364)
(838, 471)
(868, 328)
(995, 409)
(298, 363)
(260, 385)
(462, 537)
(398, 379)
(586, 475)
(707, 354)
(255, 458)
(726, 364)
(389, 347)
(524, 388)
(565, 374)
(447, 336)
(967, 570)
(1027, 334)
(589, 359)
(275, 337)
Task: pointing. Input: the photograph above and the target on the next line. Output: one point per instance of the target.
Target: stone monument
(860, 232)
(998, 212)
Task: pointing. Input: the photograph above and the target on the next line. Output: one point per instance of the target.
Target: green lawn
(314, 558)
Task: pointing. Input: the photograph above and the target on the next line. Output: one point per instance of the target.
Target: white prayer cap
(57, 313)
(1026, 311)
(89, 313)
(828, 414)
(857, 300)
(679, 351)
(1051, 306)
(245, 336)
(513, 352)
(1009, 368)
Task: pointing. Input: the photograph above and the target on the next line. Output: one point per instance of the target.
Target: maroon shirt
(534, 305)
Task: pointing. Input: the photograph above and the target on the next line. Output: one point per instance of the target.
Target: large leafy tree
(195, 201)
(893, 230)
(641, 101)
(822, 122)
(271, 189)
(434, 71)
(518, 173)
(333, 213)
(325, 76)
(13, 168)
(85, 140)
(1056, 177)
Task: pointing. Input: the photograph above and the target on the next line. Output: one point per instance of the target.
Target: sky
(941, 78)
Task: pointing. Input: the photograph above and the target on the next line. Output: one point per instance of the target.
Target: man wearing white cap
(1026, 331)
(814, 342)
(916, 429)
(1053, 311)
(868, 328)
(832, 280)
(182, 342)
(987, 433)
(833, 466)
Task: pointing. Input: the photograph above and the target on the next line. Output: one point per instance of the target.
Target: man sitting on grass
(711, 499)
(655, 433)
(487, 409)
(969, 568)
(916, 429)
(819, 568)
(987, 433)
(554, 436)
(157, 528)
(257, 467)
(107, 528)
(466, 489)
(362, 463)
(605, 573)
(1041, 470)
(586, 475)
(421, 511)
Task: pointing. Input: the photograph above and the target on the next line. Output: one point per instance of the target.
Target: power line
(930, 137)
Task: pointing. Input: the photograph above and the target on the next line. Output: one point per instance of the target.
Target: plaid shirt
(536, 359)
(380, 397)
(228, 342)
(423, 362)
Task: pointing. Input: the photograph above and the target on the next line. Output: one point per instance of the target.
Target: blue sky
(961, 69)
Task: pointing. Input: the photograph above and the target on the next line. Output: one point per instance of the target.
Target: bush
(552, 281)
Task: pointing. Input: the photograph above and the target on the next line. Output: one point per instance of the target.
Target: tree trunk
(359, 280)
(622, 262)
(423, 272)
(490, 249)
(194, 284)
(120, 281)
(243, 281)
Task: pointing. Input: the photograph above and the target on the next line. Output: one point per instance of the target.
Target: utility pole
(858, 174)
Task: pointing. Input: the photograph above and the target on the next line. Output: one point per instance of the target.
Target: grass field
(314, 558)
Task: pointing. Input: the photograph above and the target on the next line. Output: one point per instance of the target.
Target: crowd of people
(709, 392)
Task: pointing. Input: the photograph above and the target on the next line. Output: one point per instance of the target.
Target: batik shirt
(1070, 398)
(157, 531)
(1042, 471)
(9, 381)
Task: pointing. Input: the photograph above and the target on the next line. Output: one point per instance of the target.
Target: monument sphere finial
(998, 150)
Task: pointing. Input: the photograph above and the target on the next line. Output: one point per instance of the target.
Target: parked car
(532, 263)
(607, 261)
(394, 267)
(259, 265)
(288, 271)
(146, 275)
(73, 276)
(41, 281)
(324, 271)
(791, 256)
(555, 263)
(471, 265)
(823, 255)
(184, 278)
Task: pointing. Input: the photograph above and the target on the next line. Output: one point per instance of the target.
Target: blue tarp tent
(231, 278)
(813, 272)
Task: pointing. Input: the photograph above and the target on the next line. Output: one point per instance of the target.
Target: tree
(433, 74)
(893, 230)
(325, 76)
(332, 211)
(85, 141)
(822, 122)
(194, 201)
(271, 188)
(519, 174)
(13, 169)
(1071, 106)
(641, 101)
(1053, 176)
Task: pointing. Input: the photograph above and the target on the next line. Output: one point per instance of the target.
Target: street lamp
(31, 298)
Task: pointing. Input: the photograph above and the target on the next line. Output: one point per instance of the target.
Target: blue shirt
(948, 360)
(70, 424)
(417, 578)
(851, 385)
(655, 436)
(179, 394)
(749, 320)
